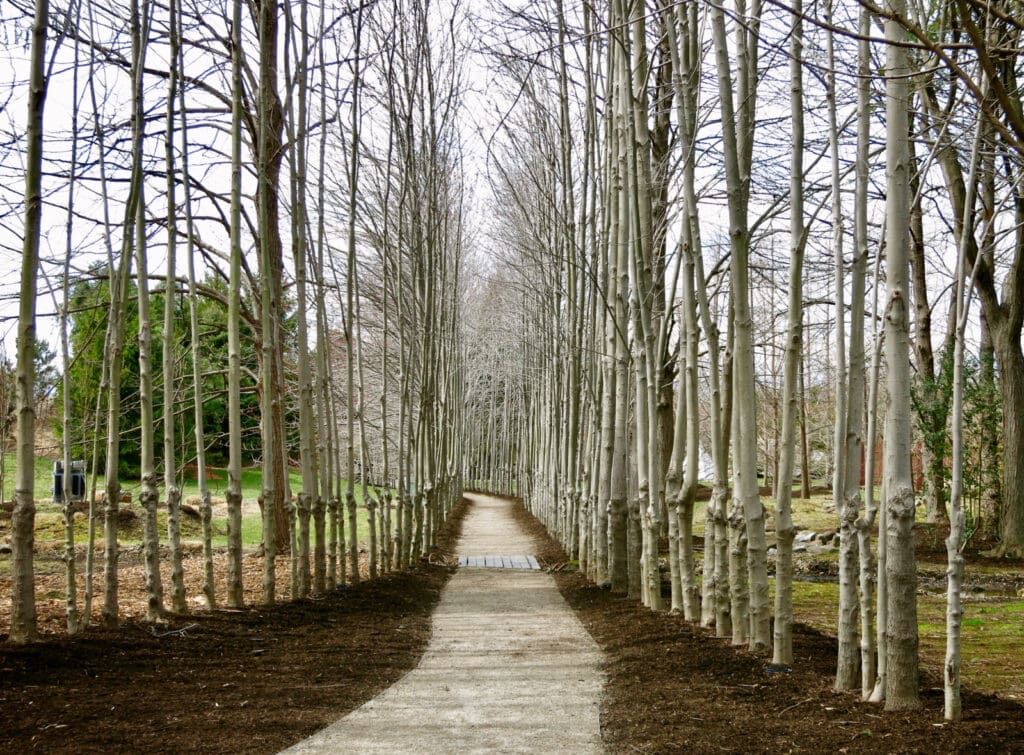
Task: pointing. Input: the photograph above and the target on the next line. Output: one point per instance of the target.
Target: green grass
(50, 516)
(50, 527)
(43, 475)
(808, 513)
(217, 482)
(992, 642)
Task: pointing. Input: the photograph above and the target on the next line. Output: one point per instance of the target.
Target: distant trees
(88, 317)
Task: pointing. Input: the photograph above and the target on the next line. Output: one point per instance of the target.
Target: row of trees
(638, 181)
(311, 225)
(644, 133)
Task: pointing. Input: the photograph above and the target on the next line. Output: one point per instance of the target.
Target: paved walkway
(508, 668)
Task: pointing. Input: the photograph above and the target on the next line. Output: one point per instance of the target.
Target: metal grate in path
(500, 562)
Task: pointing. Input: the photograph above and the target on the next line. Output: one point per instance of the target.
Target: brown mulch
(255, 680)
(672, 686)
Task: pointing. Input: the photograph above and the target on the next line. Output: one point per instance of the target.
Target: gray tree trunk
(172, 492)
(149, 494)
(855, 417)
(268, 166)
(307, 433)
(785, 532)
(74, 620)
(233, 495)
(957, 520)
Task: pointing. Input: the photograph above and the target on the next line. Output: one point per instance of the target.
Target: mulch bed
(672, 686)
(255, 680)
(264, 678)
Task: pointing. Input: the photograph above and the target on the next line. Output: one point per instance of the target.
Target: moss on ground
(993, 644)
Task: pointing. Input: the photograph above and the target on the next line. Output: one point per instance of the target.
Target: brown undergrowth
(673, 687)
(254, 680)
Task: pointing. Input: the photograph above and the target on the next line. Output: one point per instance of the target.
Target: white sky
(486, 102)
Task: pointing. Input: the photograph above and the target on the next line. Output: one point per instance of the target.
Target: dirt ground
(673, 687)
(261, 679)
(255, 680)
(509, 668)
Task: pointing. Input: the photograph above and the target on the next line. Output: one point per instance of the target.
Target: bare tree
(784, 529)
(738, 134)
(901, 690)
(233, 494)
(23, 599)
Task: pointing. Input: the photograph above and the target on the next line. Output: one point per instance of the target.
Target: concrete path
(508, 668)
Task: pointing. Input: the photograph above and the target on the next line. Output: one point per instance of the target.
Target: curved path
(509, 668)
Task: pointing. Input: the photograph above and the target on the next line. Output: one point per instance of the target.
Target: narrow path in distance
(509, 668)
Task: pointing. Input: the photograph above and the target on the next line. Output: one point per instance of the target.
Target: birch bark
(738, 128)
(901, 689)
(784, 530)
(23, 600)
(233, 495)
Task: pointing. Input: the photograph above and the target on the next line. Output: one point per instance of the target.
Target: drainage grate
(500, 562)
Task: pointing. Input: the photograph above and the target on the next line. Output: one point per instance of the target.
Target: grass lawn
(43, 474)
(993, 644)
(50, 517)
(809, 513)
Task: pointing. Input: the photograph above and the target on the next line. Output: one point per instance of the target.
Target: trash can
(77, 481)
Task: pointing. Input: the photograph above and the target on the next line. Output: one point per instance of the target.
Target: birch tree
(738, 133)
(784, 529)
(23, 599)
(298, 129)
(233, 495)
(901, 689)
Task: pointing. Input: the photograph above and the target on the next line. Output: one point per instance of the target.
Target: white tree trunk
(846, 661)
(855, 446)
(901, 689)
(784, 530)
(957, 518)
(737, 145)
(23, 599)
